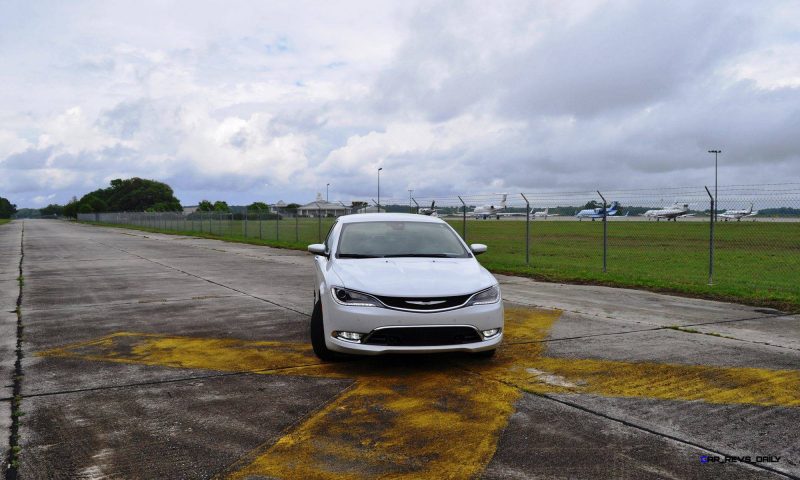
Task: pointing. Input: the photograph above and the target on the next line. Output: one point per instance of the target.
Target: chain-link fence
(661, 239)
(283, 228)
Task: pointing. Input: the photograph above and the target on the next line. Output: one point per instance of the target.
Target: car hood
(414, 277)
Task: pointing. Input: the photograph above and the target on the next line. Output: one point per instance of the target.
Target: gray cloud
(270, 103)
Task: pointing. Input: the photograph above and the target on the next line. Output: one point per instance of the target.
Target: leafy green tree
(85, 208)
(7, 208)
(257, 206)
(132, 195)
(293, 206)
(97, 204)
(592, 204)
(71, 208)
(221, 206)
(205, 206)
(53, 209)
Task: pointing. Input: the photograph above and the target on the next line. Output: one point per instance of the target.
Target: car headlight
(485, 297)
(351, 298)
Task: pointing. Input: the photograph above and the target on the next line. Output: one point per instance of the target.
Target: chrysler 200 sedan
(402, 283)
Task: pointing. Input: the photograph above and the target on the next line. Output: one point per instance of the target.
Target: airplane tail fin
(432, 204)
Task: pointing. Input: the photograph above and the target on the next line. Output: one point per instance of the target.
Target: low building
(321, 207)
(279, 208)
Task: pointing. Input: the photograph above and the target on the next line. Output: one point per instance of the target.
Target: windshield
(399, 239)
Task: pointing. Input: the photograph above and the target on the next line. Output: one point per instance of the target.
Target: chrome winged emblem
(425, 302)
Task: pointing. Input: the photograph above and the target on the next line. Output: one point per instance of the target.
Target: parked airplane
(599, 212)
(670, 213)
(431, 212)
(543, 214)
(738, 215)
(487, 211)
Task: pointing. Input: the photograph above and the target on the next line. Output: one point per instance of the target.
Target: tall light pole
(716, 200)
(379, 189)
(327, 200)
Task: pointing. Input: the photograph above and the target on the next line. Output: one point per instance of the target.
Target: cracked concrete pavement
(121, 415)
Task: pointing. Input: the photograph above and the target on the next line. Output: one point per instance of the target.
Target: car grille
(422, 336)
(424, 304)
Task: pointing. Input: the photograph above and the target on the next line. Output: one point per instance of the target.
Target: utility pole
(379, 189)
(326, 192)
(716, 200)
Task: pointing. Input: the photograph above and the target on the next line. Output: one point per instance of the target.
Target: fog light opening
(349, 336)
(492, 332)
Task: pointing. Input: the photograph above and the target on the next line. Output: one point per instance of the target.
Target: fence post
(527, 230)
(711, 239)
(463, 221)
(296, 226)
(605, 230)
(415, 203)
(260, 229)
(246, 217)
(319, 222)
(277, 225)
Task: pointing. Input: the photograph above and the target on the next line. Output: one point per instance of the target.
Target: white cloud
(261, 101)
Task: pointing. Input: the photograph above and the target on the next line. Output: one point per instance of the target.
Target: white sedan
(402, 283)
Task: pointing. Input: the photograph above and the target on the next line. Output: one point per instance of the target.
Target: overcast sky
(247, 101)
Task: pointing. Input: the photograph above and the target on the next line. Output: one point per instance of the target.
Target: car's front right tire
(317, 332)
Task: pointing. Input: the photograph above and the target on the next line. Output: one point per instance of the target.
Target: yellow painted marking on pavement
(430, 416)
(413, 424)
(230, 355)
(524, 367)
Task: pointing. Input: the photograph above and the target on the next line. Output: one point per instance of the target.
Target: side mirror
(317, 249)
(478, 248)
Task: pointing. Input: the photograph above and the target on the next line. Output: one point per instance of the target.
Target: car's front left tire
(317, 332)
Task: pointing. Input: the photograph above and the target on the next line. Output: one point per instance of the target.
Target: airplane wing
(507, 214)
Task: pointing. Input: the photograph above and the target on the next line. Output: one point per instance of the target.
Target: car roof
(388, 217)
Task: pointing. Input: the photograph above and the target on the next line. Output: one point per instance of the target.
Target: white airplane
(431, 212)
(738, 215)
(600, 212)
(670, 213)
(487, 211)
(543, 214)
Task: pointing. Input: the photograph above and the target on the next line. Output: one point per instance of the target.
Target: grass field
(4, 220)
(755, 262)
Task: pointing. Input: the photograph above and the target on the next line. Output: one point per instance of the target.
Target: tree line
(7, 209)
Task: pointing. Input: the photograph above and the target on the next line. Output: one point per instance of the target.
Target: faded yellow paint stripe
(229, 355)
(754, 386)
(423, 425)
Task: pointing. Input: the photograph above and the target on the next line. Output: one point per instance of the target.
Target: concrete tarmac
(157, 356)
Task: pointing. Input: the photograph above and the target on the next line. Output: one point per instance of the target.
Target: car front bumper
(365, 320)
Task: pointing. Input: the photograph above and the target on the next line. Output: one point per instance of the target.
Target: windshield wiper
(431, 255)
(358, 255)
